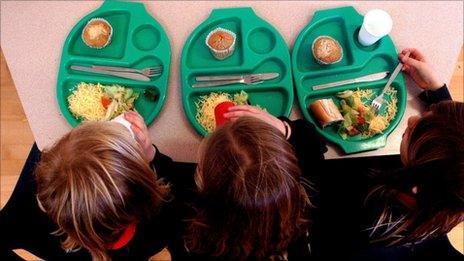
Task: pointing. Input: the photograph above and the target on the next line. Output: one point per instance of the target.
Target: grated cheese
(205, 109)
(381, 121)
(85, 102)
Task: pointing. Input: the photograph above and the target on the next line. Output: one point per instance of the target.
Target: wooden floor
(17, 139)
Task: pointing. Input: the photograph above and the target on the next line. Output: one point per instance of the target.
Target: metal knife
(367, 78)
(127, 75)
(262, 76)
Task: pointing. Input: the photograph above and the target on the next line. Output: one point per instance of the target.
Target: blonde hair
(93, 183)
(435, 165)
(252, 204)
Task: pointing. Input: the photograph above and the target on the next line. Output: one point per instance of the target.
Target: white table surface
(33, 33)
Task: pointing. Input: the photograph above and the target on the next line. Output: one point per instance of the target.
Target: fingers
(409, 61)
(414, 53)
(139, 135)
(244, 108)
(406, 68)
(135, 119)
(237, 114)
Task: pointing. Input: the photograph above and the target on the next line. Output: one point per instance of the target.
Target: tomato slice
(361, 120)
(105, 101)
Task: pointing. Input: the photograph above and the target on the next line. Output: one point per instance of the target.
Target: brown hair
(435, 164)
(251, 201)
(93, 183)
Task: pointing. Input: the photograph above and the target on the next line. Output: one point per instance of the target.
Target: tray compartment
(146, 37)
(274, 100)
(334, 27)
(330, 132)
(261, 40)
(272, 64)
(199, 55)
(119, 20)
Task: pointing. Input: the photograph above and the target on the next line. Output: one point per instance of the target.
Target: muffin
(327, 50)
(97, 33)
(221, 43)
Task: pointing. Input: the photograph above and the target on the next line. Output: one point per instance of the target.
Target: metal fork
(376, 104)
(249, 79)
(149, 71)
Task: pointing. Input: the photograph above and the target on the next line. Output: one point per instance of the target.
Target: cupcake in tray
(221, 43)
(97, 33)
(327, 50)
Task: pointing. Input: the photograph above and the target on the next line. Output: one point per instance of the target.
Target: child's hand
(236, 112)
(418, 68)
(141, 134)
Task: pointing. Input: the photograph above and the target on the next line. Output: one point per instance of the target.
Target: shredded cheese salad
(97, 102)
(358, 116)
(207, 103)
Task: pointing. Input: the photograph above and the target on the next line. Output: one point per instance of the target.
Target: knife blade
(262, 76)
(366, 78)
(127, 75)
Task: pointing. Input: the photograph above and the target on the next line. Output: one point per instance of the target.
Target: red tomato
(105, 101)
(361, 120)
(219, 111)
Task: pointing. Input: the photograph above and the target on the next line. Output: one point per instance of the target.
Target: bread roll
(326, 112)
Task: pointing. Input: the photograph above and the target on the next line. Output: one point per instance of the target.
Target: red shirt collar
(127, 236)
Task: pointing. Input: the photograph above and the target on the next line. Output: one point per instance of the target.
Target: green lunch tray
(259, 48)
(138, 41)
(343, 25)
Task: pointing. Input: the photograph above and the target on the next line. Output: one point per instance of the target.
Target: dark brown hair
(252, 202)
(94, 183)
(435, 165)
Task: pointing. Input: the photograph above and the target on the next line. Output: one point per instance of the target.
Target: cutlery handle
(127, 75)
(334, 84)
(115, 68)
(393, 76)
(217, 83)
(218, 78)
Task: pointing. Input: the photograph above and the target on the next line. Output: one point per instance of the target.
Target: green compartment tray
(259, 48)
(138, 41)
(343, 25)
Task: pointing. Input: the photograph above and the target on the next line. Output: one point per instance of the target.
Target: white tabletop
(33, 33)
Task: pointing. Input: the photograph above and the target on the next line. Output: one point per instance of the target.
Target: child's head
(252, 203)
(433, 154)
(94, 183)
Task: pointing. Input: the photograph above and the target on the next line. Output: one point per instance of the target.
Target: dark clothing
(437, 248)
(431, 97)
(23, 225)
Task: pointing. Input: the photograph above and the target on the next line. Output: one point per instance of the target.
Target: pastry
(326, 112)
(97, 33)
(327, 50)
(221, 43)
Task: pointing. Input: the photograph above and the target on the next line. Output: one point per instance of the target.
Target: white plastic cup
(120, 119)
(377, 23)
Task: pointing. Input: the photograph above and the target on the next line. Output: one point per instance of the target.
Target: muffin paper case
(221, 54)
(338, 44)
(109, 37)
